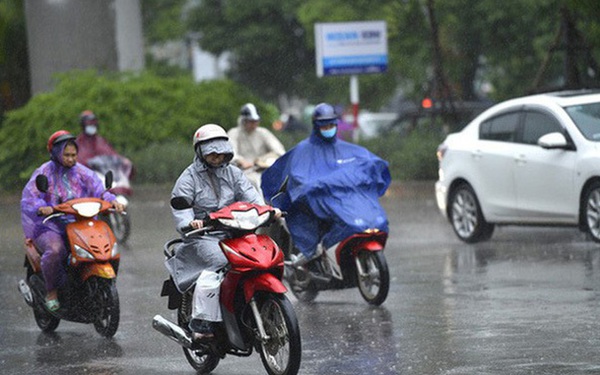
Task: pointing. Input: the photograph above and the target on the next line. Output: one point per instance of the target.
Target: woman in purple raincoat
(67, 180)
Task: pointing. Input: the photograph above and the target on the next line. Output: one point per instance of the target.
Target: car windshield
(587, 119)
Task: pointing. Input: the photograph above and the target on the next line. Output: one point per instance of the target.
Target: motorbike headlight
(246, 220)
(87, 209)
(115, 250)
(82, 253)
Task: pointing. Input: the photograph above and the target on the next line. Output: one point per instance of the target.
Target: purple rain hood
(63, 184)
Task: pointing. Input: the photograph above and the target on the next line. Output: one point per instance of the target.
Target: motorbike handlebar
(121, 213)
(210, 225)
(189, 230)
(51, 216)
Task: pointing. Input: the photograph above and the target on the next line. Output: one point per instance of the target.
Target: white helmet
(208, 132)
(249, 112)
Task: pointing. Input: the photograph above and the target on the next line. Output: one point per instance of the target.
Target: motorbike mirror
(284, 184)
(108, 180)
(41, 182)
(181, 203)
(280, 192)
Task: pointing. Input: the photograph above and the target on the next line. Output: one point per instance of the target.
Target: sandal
(52, 305)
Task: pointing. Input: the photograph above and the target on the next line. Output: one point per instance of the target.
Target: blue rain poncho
(332, 191)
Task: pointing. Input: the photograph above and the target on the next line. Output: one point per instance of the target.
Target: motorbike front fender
(264, 282)
(368, 246)
(102, 270)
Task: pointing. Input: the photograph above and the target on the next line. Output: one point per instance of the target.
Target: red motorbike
(256, 313)
(357, 261)
(90, 294)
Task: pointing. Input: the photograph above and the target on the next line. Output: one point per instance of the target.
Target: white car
(534, 160)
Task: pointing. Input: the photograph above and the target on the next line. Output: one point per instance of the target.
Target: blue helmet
(324, 114)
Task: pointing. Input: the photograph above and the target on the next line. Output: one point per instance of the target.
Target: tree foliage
(134, 112)
(487, 49)
(265, 39)
(163, 20)
(14, 71)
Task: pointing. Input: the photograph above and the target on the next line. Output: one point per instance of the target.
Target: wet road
(526, 302)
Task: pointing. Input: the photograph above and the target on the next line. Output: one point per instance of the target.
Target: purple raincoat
(63, 184)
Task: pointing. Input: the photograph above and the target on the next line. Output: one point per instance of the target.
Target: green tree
(265, 39)
(272, 44)
(163, 20)
(506, 45)
(14, 63)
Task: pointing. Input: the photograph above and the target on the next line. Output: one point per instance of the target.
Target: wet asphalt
(525, 302)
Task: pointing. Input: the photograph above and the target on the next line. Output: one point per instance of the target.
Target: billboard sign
(351, 48)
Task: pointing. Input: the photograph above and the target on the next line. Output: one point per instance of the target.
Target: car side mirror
(553, 140)
(108, 180)
(181, 203)
(41, 182)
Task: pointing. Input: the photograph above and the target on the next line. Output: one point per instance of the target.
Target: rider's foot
(52, 305)
(205, 331)
(52, 301)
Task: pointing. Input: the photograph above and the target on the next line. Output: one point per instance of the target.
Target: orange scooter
(90, 294)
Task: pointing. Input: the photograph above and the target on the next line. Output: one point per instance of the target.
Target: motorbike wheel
(374, 281)
(107, 321)
(202, 361)
(44, 319)
(120, 225)
(281, 352)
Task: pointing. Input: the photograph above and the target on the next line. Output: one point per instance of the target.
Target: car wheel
(592, 211)
(466, 217)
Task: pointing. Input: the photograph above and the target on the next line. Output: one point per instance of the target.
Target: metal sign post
(354, 100)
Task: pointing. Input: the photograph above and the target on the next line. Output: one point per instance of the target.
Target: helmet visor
(321, 123)
(216, 146)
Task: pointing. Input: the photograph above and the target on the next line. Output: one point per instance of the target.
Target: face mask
(328, 133)
(90, 129)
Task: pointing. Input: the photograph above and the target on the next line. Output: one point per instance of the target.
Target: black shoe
(204, 331)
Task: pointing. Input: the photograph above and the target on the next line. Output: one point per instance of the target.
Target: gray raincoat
(210, 189)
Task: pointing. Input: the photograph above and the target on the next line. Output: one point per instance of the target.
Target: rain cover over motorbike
(340, 184)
